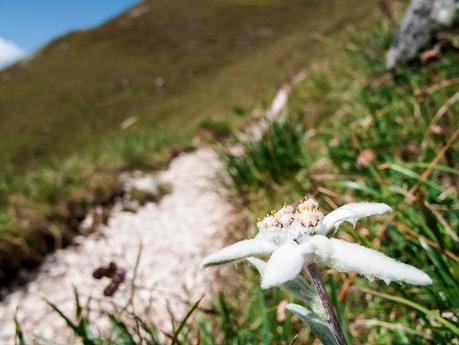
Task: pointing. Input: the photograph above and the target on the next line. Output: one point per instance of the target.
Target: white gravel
(175, 234)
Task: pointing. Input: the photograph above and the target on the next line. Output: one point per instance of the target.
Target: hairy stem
(332, 320)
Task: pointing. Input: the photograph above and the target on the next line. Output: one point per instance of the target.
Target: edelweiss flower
(295, 237)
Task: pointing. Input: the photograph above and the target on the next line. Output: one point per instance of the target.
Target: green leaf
(316, 324)
(414, 305)
(82, 329)
(19, 334)
(150, 330)
(228, 328)
(185, 319)
(339, 308)
(438, 167)
(410, 173)
(358, 186)
(69, 322)
(78, 308)
(121, 331)
(264, 317)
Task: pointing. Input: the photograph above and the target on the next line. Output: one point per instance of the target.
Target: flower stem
(332, 320)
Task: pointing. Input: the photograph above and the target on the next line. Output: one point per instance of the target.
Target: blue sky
(26, 25)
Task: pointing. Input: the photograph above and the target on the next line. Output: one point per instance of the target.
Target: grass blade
(81, 330)
(121, 331)
(20, 340)
(413, 305)
(185, 319)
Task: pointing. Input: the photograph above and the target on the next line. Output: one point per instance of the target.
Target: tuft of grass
(270, 161)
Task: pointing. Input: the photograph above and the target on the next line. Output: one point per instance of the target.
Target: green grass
(267, 163)
(62, 111)
(355, 107)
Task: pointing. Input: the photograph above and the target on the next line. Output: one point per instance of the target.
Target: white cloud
(9, 52)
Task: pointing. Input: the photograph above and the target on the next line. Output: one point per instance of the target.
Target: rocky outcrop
(421, 21)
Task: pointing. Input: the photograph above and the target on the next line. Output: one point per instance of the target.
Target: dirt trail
(175, 233)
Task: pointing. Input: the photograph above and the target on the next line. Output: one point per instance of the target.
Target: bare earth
(175, 234)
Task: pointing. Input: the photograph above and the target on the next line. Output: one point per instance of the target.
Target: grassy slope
(61, 110)
(212, 55)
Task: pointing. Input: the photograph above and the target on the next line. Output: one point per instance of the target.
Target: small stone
(159, 82)
(420, 23)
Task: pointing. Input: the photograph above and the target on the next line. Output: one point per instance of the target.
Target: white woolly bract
(259, 264)
(284, 265)
(351, 257)
(352, 213)
(239, 250)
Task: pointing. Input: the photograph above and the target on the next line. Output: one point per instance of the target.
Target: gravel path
(175, 234)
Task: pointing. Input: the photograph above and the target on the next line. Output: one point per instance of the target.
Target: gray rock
(421, 21)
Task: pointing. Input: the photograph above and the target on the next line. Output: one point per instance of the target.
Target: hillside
(166, 63)
(132, 93)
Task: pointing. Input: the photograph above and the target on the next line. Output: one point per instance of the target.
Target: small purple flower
(116, 273)
(120, 275)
